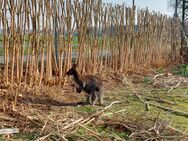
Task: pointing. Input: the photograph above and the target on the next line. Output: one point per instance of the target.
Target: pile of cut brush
(170, 81)
(32, 111)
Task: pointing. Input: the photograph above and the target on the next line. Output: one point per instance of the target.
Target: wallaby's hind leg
(100, 96)
(88, 99)
(100, 100)
(91, 98)
(94, 98)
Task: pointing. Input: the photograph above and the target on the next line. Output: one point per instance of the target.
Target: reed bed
(42, 38)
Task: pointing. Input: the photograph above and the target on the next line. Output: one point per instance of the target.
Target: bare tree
(176, 6)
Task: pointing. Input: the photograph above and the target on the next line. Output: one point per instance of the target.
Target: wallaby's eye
(74, 66)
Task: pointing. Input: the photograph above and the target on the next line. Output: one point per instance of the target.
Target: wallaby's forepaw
(78, 90)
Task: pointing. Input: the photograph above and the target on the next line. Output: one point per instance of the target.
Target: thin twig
(162, 74)
(44, 137)
(100, 112)
(144, 101)
(91, 131)
(174, 87)
(73, 123)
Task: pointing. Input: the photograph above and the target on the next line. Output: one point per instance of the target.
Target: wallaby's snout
(67, 73)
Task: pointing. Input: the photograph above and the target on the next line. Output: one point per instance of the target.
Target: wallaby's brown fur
(91, 84)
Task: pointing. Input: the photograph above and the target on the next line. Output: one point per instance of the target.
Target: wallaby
(91, 84)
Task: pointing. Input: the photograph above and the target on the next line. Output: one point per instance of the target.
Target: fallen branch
(177, 130)
(179, 113)
(140, 134)
(100, 112)
(7, 118)
(156, 127)
(144, 101)
(162, 74)
(9, 131)
(44, 126)
(160, 100)
(178, 138)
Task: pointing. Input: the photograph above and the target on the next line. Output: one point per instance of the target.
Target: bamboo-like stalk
(27, 16)
(18, 37)
(108, 37)
(5, 43)
(22, 39)
(12, 39)
(42, 47)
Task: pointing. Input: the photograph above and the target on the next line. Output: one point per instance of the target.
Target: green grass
(26, 136)
(134, 109)
(161, 70)
(148, 80)
(181, 70)
(85, 109)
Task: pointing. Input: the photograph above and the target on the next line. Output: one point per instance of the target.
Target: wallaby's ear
(74, 66)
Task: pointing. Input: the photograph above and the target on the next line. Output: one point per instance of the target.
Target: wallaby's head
(72, 70)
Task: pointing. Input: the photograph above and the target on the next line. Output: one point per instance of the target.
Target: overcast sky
(156, 5)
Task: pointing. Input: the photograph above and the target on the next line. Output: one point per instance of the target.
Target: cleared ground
(141, 106)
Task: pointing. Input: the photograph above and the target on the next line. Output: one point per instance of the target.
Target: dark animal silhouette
(91, 84)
